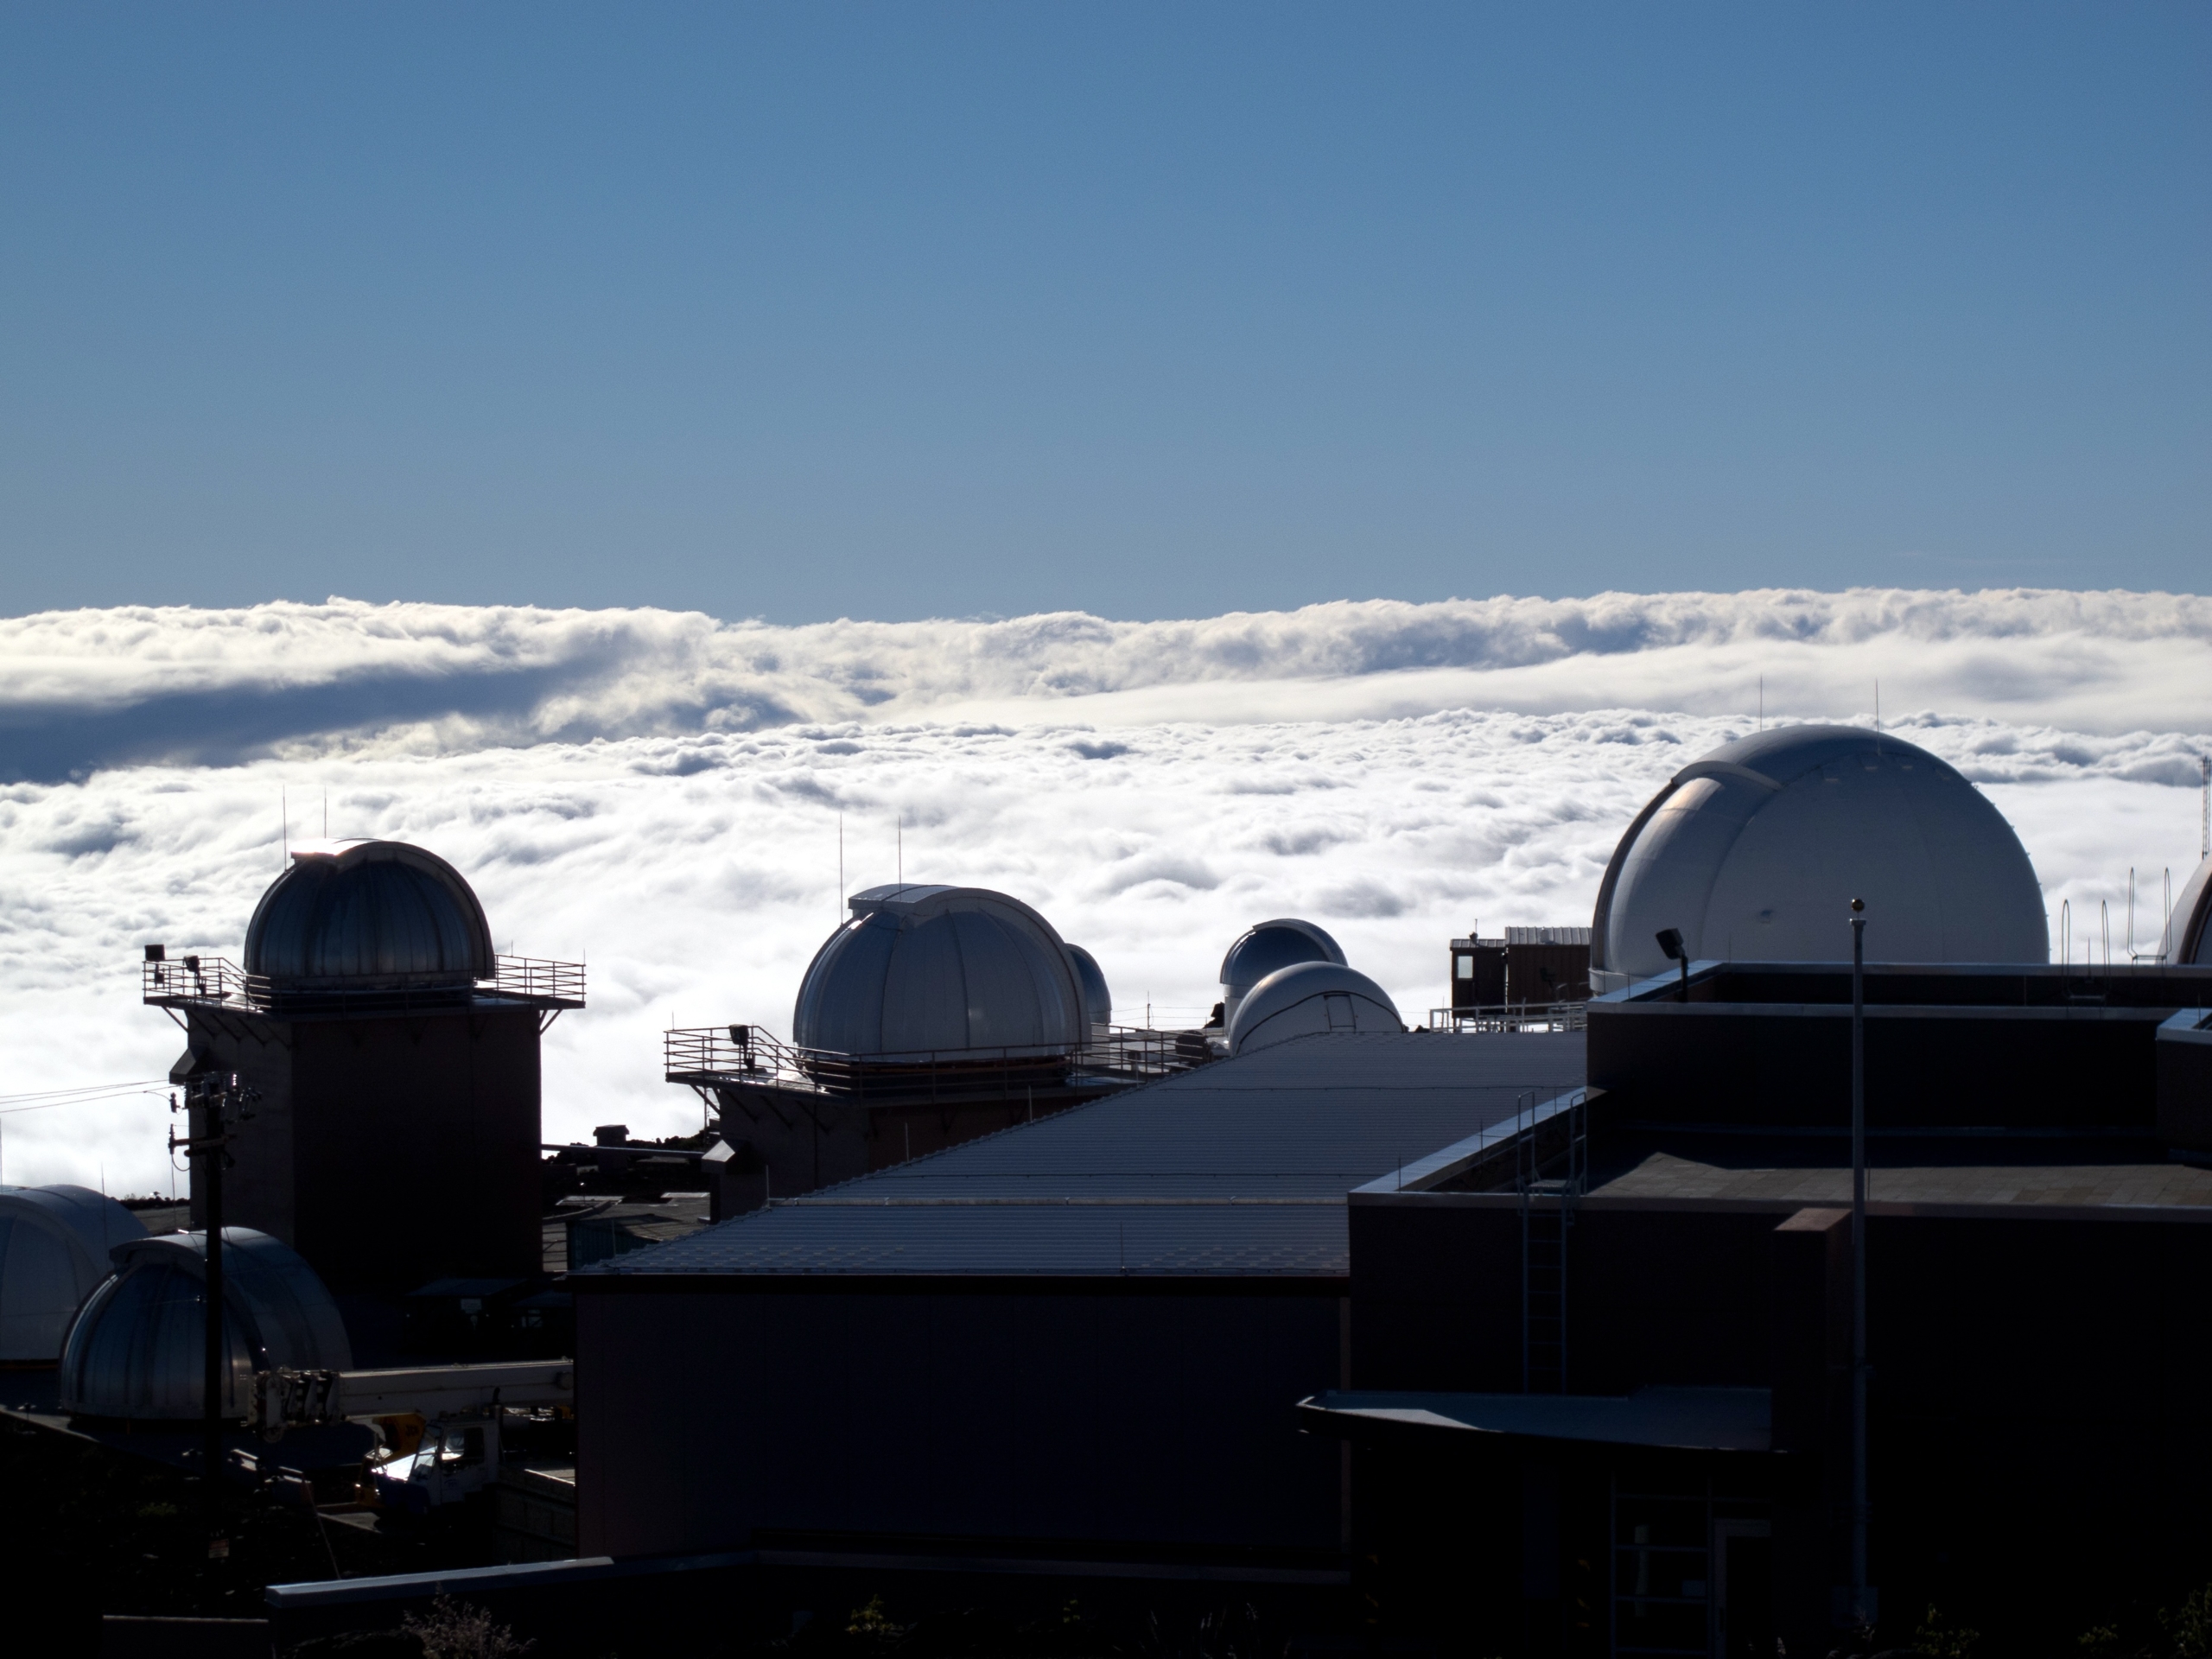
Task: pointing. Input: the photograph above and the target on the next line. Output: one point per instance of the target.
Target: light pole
(217, 1101)
(1861, 1610)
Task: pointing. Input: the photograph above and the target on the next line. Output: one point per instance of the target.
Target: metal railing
(1513, 1016)
(535, 979)
(750, 1056)
(219, 982)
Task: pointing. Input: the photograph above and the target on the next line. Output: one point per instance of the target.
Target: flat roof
(1689, 1419)
(1670, 1176)
(2025, 1178)
(1237, 1170)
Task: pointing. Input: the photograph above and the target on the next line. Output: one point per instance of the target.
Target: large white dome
(1756, 851)
(2188, 935)
(923, 969)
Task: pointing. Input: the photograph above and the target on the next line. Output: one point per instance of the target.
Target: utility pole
(214, 1103)
(1860, 1612)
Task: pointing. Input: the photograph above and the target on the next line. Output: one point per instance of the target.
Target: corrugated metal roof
(1238, 1169)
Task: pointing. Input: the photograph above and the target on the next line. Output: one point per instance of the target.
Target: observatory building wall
(388, 1152)
(2034, 1413)
(1962, 1046)
(864, 1419)
(1086, 1335)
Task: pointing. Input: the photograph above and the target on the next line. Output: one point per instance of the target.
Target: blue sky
(924, 310)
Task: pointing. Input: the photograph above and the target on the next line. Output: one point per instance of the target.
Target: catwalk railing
(219, 982)
(1515, 1016)
(750, 1056)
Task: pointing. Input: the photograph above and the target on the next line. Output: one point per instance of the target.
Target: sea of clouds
(664, 795)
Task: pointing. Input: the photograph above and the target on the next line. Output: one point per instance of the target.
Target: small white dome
(1097, 998)
(1263, 947)
(1309, 997)
(919, 970)
(54, 1246)
(138, 1350)
(1755, 852)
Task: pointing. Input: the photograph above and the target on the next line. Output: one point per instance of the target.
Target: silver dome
(1263, 947)
(365, 915)
(919, 970)
(1097, 998)
(1307, 998)
(139, 1348)
(1755, 851)
(54, 1246)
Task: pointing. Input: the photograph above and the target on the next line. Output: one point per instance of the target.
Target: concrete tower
(396, 1138)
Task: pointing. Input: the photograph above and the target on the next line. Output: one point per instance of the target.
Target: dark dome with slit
(369, 915)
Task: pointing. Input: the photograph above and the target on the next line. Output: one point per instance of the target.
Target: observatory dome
(1097, 999)
(921, 969)
(54, 1246)
(138, 1350)
(1308, 997)
(2192, 937)
(1755, 851)
(363, 914)
(1265, 947)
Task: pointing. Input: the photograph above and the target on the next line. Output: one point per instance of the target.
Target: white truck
(460, 1409)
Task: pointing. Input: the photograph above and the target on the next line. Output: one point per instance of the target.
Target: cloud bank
(91, 689)
(1396, 772)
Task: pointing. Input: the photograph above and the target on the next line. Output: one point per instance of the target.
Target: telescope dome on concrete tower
(1755, 851)
(923, 969)
(1265, 947)
(362, 914)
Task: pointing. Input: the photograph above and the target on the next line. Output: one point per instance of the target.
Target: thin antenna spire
(326, 814)
(902, 845)
(1877, 705)
(841, 867)
(2204, 812)
(284, 832)
(1761, 702)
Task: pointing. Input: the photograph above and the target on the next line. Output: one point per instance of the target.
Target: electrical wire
(46, 1099)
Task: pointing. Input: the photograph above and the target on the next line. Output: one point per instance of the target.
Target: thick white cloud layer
(86, 688)
(660, 794)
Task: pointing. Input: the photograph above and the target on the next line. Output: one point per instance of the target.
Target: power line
(50, 1098)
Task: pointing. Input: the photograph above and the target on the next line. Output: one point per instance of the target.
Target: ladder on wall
(1549, 1188)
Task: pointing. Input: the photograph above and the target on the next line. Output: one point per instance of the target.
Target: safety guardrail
(742, 1056)
(219, 982)
(1515, 1016)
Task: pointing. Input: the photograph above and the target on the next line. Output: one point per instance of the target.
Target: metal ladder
(1546, 1217)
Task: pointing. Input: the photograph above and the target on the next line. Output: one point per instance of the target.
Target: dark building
(1525, 970)
(1084, 1336)
(395, 1138)
(1623, 1337)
